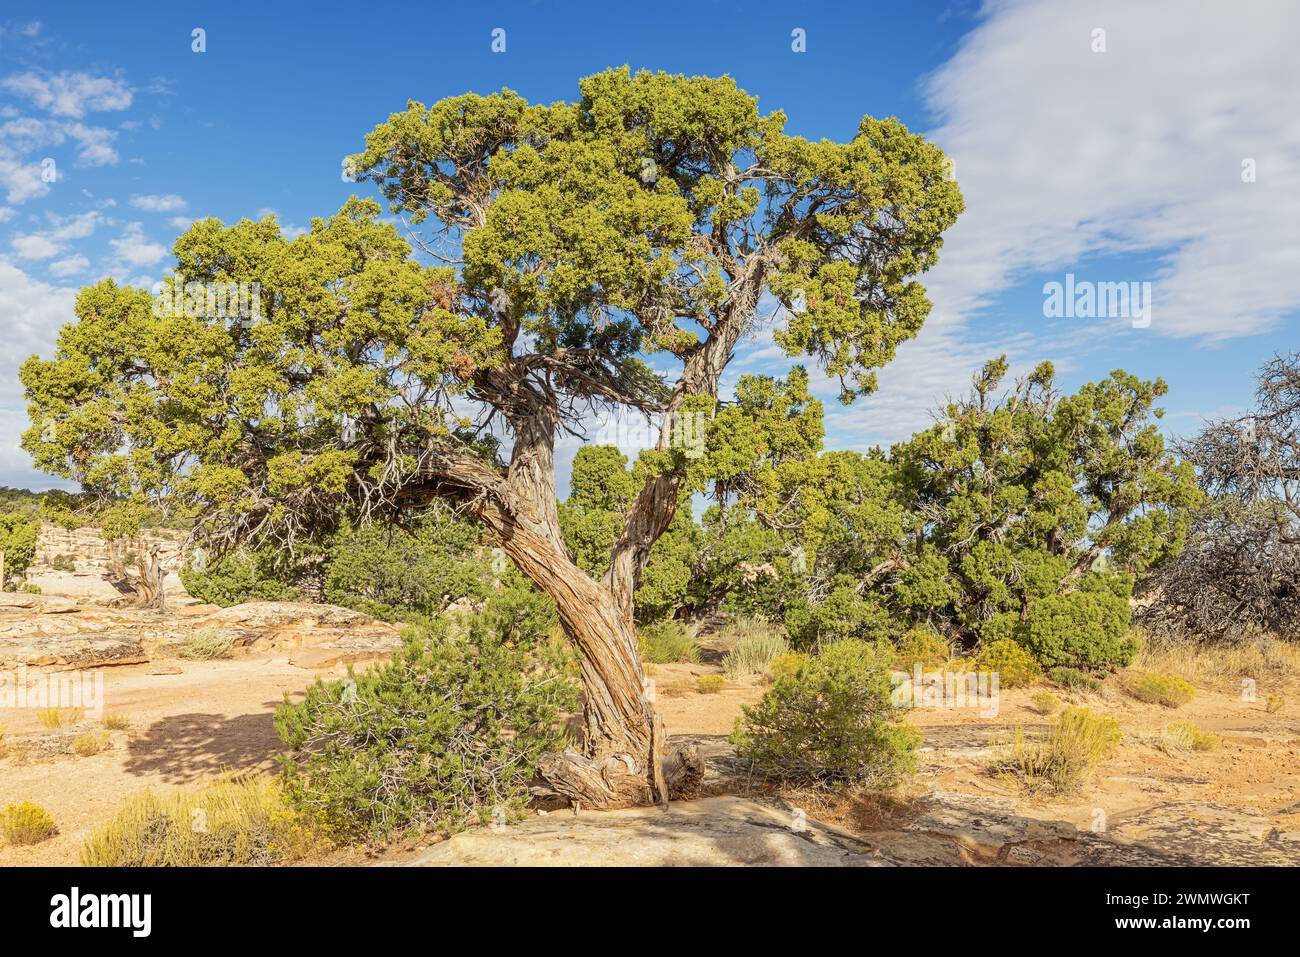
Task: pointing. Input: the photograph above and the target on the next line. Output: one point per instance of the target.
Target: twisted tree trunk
(623, 761)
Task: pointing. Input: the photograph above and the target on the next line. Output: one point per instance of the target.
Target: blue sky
(1116, 165)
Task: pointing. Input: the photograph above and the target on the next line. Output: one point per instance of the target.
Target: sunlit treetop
(561, 247)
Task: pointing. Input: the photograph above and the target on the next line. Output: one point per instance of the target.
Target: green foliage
(232, 822)
(63, 563)
(18, 535)
(1168, 690)
(830, 723)
(664, 642)
(442, 736)
(242, 575)
(920, 646)
(1023, 515)
(1014, 665)
(1062, 761)
(393, 573)
(26, 823)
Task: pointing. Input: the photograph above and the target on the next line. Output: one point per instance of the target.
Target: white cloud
(22, 135)
(34, 311)
(168, 203)
(34, 246)
(70, 94)
(133, 249)
(1064, 153)
(51, 242)
(70, 266)
(21, 180)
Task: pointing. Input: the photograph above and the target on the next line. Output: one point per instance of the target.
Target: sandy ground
(206, 718)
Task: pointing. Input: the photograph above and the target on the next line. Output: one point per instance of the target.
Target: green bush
(1014, 665)
(831, 723)
(26, 823)
(441, 736)
(667, 641)
(18, 535)
(232, 822)
(63, 563)
(398, 574)
(242, 575)
(1083, 629)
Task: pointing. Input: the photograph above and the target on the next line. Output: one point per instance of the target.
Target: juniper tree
(572, 244)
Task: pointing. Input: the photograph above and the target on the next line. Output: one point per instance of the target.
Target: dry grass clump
(231, 822)
(1211, 663)
(1045, 702)
(1063, 760)
(26, 823)
(56, 718)
(1152, 688)
(116, 722)
(207, 644)
(89, 743)
(1179, 736)
(753, 654)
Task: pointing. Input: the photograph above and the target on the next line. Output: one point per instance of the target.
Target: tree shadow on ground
(186, 747)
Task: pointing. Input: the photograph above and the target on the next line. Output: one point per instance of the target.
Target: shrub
(1074, 679)
(18, 534)
(920, 646)
(1014, 665)
(1273, 703)
(26, 823)
(242, 575)
(1046, 703)
(1065, 758)
(116, 722)
(831, 723)
(56, 718)
(397, 574)
(786, 665)
(207, 644)
(63, 563)
(753, 655)
(1187, 736)
(230, 822)
(667, 641)
(447, 732)
(1083, 629)
(739, 627)
(709, 684)
(90, 742)
(1167, 690)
